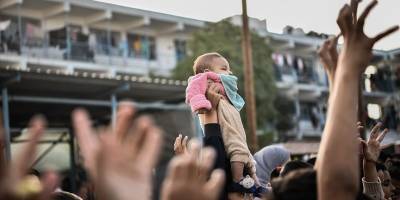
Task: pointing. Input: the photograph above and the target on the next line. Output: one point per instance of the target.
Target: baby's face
(221, 66)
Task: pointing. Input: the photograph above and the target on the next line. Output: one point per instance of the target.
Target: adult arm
(337, 173)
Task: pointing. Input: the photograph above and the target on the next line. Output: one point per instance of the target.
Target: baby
(214, 67)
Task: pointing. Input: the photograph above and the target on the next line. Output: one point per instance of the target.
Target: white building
(86, 35)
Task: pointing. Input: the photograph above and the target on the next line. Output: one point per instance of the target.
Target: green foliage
(224, 38)
(265, 139)
(285, 117)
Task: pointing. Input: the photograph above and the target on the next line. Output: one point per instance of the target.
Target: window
(141, 46)
(180, 49)
(374, 111)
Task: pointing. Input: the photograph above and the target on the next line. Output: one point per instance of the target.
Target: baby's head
(213, 62)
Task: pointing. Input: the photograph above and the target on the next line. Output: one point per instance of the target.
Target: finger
(345, 19)
(194, 152)
(178, 142)
(385, 33)
(336, 39)
(36, 128)
(363, 16)
(137, 134)
(213, 87)
(175, 168)
(150, 151)
(206, 163)
(354, 8)
(215, 184)
(185, 143)
(374, 131)
(124, 118)
(87, 141)
(382, 135)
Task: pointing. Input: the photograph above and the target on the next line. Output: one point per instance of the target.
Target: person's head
(275, 173)
(299, 184)
(213, 62)
(269, 158)
(294, 165)
(386, 180)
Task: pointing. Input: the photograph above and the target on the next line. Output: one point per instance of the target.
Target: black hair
(299, 184)
(294, 165)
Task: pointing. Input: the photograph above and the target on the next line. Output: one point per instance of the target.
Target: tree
(224, 38)
(285, 118)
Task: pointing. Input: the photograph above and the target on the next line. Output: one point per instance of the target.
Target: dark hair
(294, 165)
(312, 160)
(394, 170)
(380, 166)
(299, 184)
(275, 173)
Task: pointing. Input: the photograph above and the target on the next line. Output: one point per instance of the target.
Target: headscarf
(267, 159)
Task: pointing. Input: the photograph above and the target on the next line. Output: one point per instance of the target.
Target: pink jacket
(196, 90)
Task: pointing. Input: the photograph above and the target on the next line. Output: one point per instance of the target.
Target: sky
(316, 15)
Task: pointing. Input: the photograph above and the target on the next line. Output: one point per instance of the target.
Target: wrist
(350, 67)
(370, 161)
(211, 117)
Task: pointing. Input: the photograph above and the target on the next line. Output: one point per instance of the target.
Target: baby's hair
(204, 62)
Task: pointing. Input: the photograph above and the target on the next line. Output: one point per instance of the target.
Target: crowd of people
(119, 159)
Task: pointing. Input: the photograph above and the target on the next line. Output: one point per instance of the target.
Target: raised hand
(188, 176)
(329, 56)
(371, 148)
(15, 184)
(180, 145)
(119, 159)
(357, 46)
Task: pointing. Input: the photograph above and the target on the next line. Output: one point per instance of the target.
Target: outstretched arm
(337, 174)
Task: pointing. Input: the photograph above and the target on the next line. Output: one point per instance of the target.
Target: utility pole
(249, 80)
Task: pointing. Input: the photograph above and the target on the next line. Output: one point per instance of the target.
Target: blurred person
(119, 159)
(337, 163)
(17, 181)
(268, 159)
(376, 182)
(394, 171)
(189, 177)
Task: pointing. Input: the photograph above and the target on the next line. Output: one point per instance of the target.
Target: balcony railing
(101, 54)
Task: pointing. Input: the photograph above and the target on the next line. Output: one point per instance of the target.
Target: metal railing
(102, 54)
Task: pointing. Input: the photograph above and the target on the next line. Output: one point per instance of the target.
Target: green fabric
(230, 84)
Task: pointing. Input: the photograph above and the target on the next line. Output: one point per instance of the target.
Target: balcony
(80, 56)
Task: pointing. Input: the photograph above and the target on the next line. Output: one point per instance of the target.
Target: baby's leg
(237, 171)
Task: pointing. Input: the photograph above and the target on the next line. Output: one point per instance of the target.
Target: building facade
(84, 35)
